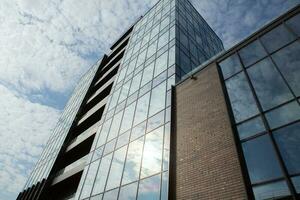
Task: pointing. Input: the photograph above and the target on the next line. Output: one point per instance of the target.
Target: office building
(168, 114)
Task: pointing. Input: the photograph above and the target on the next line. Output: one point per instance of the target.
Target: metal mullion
(254, 136)
(275, 147)
(268, 181)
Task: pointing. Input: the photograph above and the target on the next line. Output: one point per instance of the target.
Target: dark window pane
(288, 61)
(294, 24)
(268, 84)
(277, 38)
(261, 160)
(288, 140)
(283, 115)
(252, 53)
(241, 98)
(128, 192)
(250, 128)
(230, 66)
(270, 191)
(111, 195)
(296, 182)
(149, 188)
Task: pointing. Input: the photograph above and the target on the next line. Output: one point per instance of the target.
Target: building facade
(168, 114)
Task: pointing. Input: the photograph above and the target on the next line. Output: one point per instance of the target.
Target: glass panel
(288, 61)
(152, 157)
(241, 98)
(148, 74)
(102, 174)
(133, 161)
(230, 66)
(114, 130)
(288, 140)
(250, 128)
(156, 121)
(261, 160)
(165, 186)
(166, 146)
(294, 24)
(97, 153)
(158, 97)
(163, 40)
(283, 115)
(127, 118)
(252, 53)
(161, 64)
(98, 197)
(296, 182)
(270, 191)
(104, 132)
(125, 90)
(276, 38)
(135, 83)
(268, 84)
(116, 169)
(114, 99)
(123, 139)
(88, 184)
(138, 131)
(128, 192)
(111, 195)
(151, 49)
(149, 188)
(142, 109)
(109, 147)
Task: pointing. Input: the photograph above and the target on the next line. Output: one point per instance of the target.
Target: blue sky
(45, 46)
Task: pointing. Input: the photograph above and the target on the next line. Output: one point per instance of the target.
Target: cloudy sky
(46, 45)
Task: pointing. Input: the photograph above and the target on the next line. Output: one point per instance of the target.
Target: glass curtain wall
(263, 84)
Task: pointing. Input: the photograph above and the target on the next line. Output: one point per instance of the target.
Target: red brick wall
(206, 160)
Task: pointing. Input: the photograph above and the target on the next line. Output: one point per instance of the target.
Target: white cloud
(24, 129)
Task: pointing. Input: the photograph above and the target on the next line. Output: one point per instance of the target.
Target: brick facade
(206, 160)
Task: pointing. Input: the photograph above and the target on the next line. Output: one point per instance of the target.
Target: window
(241, 98)
(158, 97)
(114, 99)
(283, 115)
(163, 40)
(252, 53)
(156, 121)
(97, 153)
(102, 174)
(151, 49)
(123, 139)
(111, 195)
(114, 130)
(128, 192)
(127, 118)
(268, 84)
(277, 38)
(116, 169)
(288, 140)
(133, 161)
(89, 180)
(250, 128)
(271, 191)
(148, 74)
(261, 161)
(165, 186)
(152, 156)
(109, 147)
(294, 24)
(230, 66)
(149, 188)
(135, 83)
(125, 90)
(161, 64)
(138, 131)
(296, 182)
(104, 132)
(288, 60)
(142, 109)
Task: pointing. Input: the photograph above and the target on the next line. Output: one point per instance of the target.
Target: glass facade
(129, 158)
(262, 82)
(60, 131)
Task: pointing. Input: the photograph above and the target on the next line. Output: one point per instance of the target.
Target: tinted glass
(148, 74)
(288, 140)
(261, 161)
(241, 98)
(270, 191)
(142, 109)
(277, 38)
(133, 161)
(288, 61)
(252, 53)
(294, 24)
(158, 97)
(268, 84)
(230, 66)
(116, 169)
(149, 188)
(152, 156)
(283, 115)
(296, 182)
(128, 192)
(161, 64)
(250, 128)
